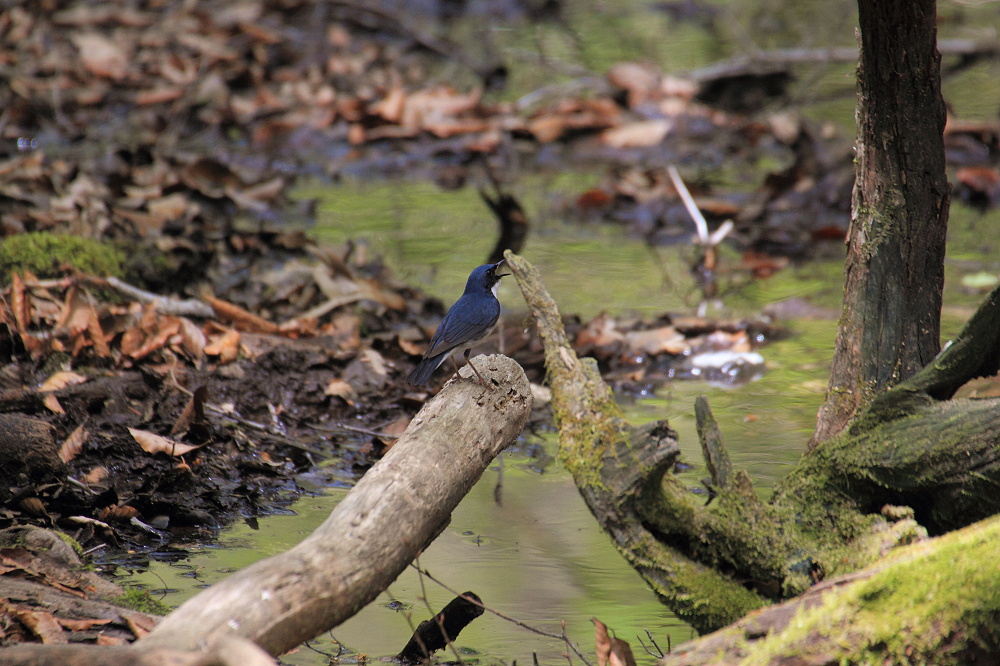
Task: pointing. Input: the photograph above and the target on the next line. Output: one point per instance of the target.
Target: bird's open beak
(498, 266)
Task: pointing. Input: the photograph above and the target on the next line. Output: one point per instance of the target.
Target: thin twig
(500, 615)
(436, 616)
(692, 208)
(658, 653)
(361, 431)
(565, 638)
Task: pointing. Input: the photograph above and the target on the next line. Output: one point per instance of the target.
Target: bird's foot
(481, 380)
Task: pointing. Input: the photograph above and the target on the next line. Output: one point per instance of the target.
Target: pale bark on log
(393, 513)
(228, 651)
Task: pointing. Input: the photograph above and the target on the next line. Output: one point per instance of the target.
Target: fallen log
(393, 513)
(398, 507)
(937, 601)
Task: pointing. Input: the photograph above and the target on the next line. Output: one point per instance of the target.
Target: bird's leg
(481, 380)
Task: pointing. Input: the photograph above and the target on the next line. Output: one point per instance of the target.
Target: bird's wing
(462, 324)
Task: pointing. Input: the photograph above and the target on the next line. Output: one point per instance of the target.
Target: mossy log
(914, 461)
(934, 602)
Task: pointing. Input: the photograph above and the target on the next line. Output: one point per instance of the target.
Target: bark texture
(398, 507)
(894, 271)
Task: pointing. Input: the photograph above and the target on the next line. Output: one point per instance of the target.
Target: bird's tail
(422, 373)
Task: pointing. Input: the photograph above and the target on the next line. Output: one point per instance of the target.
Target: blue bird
(467, 322)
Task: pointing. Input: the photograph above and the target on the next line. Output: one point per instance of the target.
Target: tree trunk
(890, 325)
(398, 507)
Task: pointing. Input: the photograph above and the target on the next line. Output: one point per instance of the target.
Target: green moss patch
(912, 611)
(45, 254)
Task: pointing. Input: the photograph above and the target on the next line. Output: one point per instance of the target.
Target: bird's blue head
(485, 278)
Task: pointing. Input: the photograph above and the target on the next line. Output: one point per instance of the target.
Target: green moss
(139, 599)
(44, 254)
(71, 542)
(930, 603)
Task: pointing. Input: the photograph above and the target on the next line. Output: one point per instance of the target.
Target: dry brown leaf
(76, 312)
(602, 642)
(95, 476)
(243, 320)
(341, 389)
(168, 208)
(80, 625)
(600, 332)
(139, 623)
(621, 653)
(101, 56)
(665, 339)
(158, 95)
(120, 513)
(20, 304)
(52, 404)
(395, 430)
(43, 625)
(226, 346)
(73, 444)
(410, 347)
(611, 651)
(639, 134)
(193, 339)
(640, 81)
(34, 506)
(96, 334)
(375, 292)
(193, 413)
(152, 443)
(61, 379)
(391, 106)
(106, 639)
(159, 330)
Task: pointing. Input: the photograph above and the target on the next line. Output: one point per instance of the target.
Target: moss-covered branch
(618, 469)
(713, 563)
(937, 602)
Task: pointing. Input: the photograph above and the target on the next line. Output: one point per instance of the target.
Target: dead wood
(396, 509)
(228, 651)
(712, 564)
(436, 633)
(891, 612)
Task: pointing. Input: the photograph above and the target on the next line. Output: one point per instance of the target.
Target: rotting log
(937, 601)
(919, 459)
(619, 468)
(398, 507)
